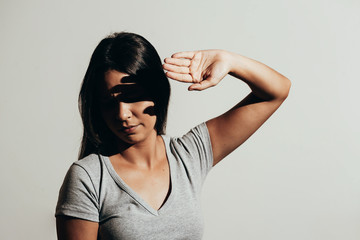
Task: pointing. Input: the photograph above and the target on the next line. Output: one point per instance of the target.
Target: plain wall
(296, 178)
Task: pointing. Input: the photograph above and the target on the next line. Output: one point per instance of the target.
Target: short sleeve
(197, 146)
(77, 196)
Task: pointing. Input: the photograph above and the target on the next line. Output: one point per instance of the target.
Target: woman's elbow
(284, 90)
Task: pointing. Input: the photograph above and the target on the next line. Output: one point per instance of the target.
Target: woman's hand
(204, 68)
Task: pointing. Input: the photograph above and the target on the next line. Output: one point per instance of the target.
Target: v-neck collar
(134, 194)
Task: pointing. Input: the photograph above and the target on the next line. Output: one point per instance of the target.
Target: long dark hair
(128, 53)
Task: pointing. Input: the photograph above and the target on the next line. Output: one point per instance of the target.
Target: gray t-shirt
(92, 190)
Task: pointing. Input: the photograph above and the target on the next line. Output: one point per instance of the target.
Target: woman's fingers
(188, 55)
(175, 69)
(180, 77)
(202, 85)
(203, 69)
(182, 62)
(184, 67)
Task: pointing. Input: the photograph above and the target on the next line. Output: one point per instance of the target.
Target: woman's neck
(144, 154)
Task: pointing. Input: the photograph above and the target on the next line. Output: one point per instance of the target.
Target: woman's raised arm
(207, 68)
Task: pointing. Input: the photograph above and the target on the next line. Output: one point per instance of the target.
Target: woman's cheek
(148, 108)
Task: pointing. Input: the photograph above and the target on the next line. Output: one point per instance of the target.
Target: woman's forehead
(123, 86)
(113, 78)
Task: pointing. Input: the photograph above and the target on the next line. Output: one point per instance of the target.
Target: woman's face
(126, 108)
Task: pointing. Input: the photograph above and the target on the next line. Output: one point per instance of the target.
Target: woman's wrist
(228, 58)
(234, 63)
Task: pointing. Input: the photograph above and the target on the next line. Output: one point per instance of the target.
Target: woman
(133, 182)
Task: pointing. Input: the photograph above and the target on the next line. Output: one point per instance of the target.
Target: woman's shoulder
(200, 131)
(89, 160)
(195, 142)
(193, 150)
(91, 164)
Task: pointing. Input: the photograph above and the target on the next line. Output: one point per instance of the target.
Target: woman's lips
(129, 129)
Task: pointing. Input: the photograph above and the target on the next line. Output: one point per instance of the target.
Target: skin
(207, 68)
(142, 163)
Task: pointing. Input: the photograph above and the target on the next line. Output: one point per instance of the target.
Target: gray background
(296, 178)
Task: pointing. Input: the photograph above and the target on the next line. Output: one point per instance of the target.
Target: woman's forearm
(264, 82)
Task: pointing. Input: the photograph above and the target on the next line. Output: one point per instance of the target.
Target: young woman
(132, 181)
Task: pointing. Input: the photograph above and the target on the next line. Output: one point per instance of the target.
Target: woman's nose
(124, 111)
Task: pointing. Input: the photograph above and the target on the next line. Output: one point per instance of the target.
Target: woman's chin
(132, 139)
